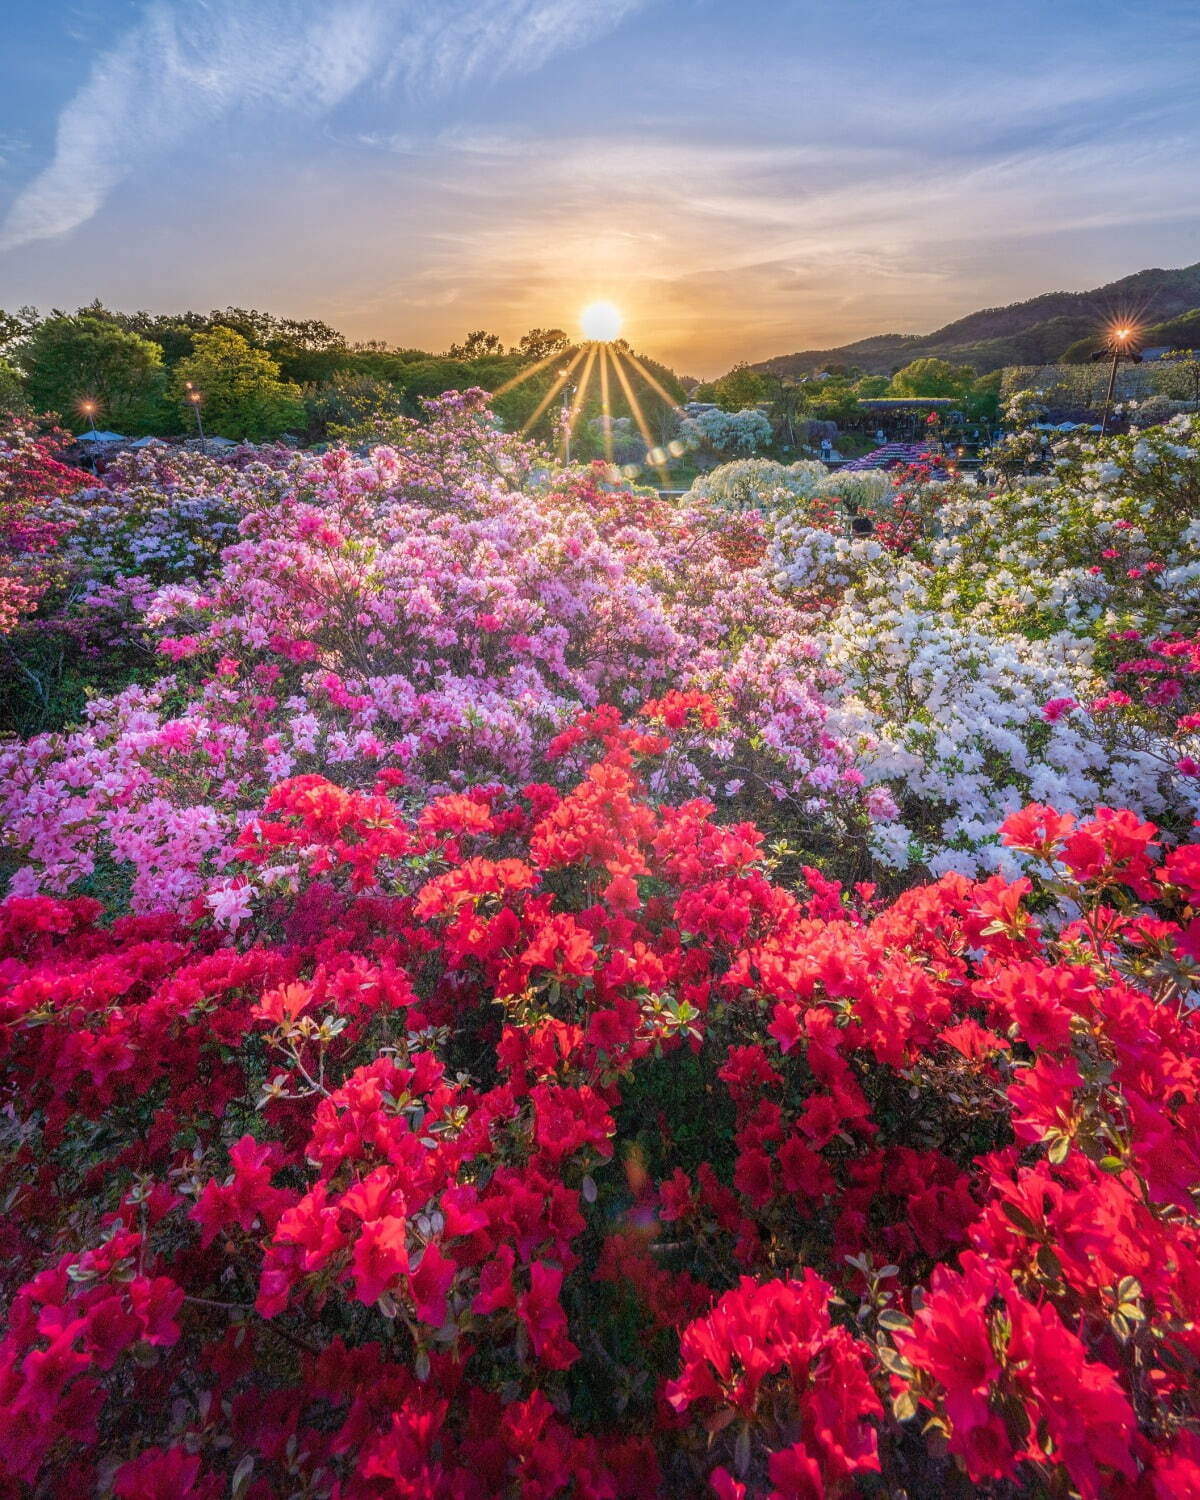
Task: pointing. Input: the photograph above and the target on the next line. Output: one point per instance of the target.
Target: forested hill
(1040, 331)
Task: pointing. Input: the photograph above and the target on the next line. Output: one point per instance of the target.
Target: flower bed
(478, 1017)
(545, 1145)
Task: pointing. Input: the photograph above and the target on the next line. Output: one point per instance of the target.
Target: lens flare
(601, 322)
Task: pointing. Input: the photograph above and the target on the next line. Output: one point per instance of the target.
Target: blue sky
(741, 178)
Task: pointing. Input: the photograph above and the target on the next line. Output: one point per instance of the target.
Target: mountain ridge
(1040, 330)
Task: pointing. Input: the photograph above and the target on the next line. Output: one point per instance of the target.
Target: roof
(100, 437)
(891, 403)
(893, 455)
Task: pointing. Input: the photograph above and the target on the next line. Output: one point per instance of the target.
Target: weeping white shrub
(758, 484)
(867, 489)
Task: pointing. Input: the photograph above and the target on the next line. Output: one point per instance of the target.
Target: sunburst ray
(564, 376)
(650, 380)
(635, 407)
(529, 371)
(580, 396)
(606, 405)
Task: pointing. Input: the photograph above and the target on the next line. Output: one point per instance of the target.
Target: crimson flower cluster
(550, 1144)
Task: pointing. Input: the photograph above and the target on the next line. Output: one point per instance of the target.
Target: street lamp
(195, 398)
(1120, 345)
(88, 408)
(567, 392)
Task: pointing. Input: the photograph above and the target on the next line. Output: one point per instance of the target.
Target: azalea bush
(990, 643)
(441, 612)
(1108, 542)
(32, 473)
(544, 1142)
(510, 986)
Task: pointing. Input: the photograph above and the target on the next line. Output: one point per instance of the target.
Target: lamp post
(567, 392)
(195, 398)
(88, 408)
(1119, 346)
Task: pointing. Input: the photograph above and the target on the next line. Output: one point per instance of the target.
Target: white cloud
(184, 68)
(747, 250)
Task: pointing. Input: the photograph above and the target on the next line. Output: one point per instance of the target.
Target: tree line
(253, 375)
(257, 376)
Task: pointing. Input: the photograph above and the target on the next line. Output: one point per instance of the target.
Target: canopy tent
(100, 437)
(147, 442)
(895, 455)
(900, 403)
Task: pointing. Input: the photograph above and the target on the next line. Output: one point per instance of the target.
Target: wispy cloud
(719, 251)
(183, 68)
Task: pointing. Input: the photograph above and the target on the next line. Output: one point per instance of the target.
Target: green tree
(832, 400)
(983, 399)
(89, 358)
(241, 393)
(787, 403)
(16, 326)
(12, 390)
(932, 377)
(742, 387)
(869, 387)
(477, 345)
(1177, 375)
(538, 343)
(345, 408)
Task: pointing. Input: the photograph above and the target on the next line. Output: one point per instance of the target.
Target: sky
(742, 179)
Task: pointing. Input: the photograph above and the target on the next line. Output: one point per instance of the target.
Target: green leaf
(1060, 1147)
(1022, 1220)
(893, 1363)
(904, 1406)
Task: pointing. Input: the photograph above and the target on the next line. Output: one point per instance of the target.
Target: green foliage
(478, 344)
(832, 400)
(1178, 375)
(540, 342)
(741, 388)
(87, 357)
(242, 394)
(344, 409)
(932, 377)
(12, 389)
(14, 326)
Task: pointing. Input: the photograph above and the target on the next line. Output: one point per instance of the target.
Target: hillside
(1039, 331)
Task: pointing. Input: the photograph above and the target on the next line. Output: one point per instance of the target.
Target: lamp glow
(601, 322)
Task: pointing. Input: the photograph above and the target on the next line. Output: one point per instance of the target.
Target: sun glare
(601, 322)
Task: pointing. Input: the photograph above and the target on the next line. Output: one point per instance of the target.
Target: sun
(601, 322)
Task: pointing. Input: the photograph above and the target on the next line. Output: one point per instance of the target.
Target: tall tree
(241, 394)
(540, 342)
(741, 388)
(12, 390)
(477, 345)
(932, 377)
(68, 360)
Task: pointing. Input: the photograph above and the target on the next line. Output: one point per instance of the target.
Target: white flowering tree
(720, 431)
